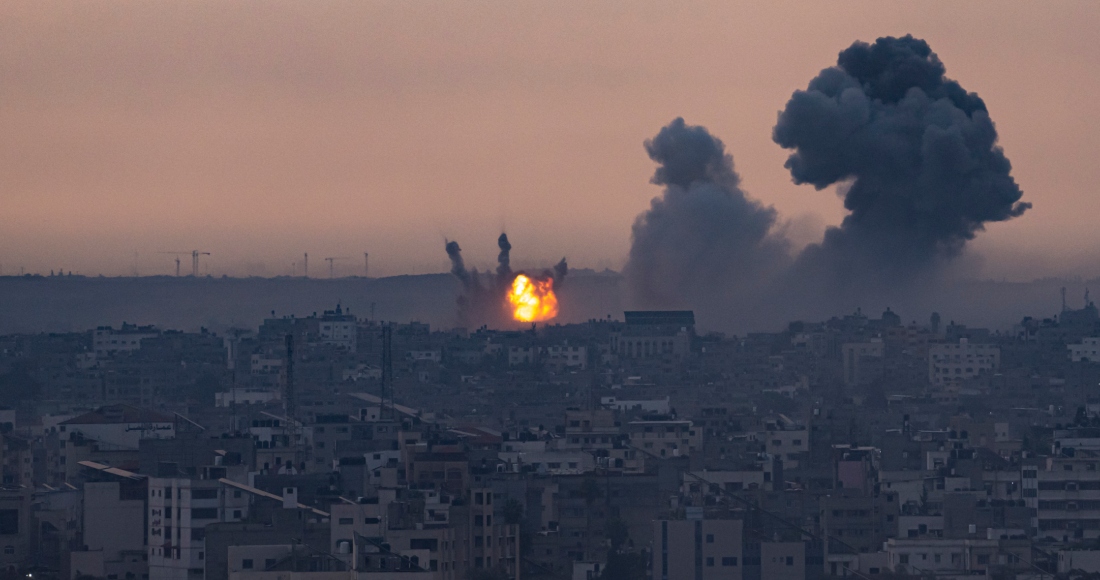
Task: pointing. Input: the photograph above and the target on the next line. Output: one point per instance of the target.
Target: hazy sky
(261, 130)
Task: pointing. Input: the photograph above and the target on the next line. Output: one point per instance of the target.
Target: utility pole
(289, 396)
(387, 371)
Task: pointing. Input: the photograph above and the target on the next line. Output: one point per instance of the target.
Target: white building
(179, 510)
(863, 361)
(120, 426)
(657, 406)
(245, 396)
(1087, 351)
(106, 340)
(951, 363)
(566, 356)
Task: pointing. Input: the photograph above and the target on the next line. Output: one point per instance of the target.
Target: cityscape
(578, 290)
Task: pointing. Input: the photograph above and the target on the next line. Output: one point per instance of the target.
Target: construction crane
(177, 254)
(331, 271)
(194, 260)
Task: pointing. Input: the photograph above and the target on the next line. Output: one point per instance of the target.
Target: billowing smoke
(702, 242)
(486, 304)
(914, 155)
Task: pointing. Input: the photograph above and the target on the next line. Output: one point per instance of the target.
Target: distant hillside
(52, 304)
(57, 304)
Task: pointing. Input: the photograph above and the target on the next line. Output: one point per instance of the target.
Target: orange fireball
(532, 300)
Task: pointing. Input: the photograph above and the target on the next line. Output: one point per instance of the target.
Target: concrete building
(863, 361)
(952, 363)
(698, 549)
(179, 510)
(1087, 351)
(119, 426)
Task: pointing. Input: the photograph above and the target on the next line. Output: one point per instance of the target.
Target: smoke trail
(558, 273)
(504, 267)
(458, 266)
(702, 241)
(918, 156)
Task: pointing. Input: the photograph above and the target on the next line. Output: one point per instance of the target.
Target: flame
(533, 300)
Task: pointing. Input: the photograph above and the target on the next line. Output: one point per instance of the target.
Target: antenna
(387, 370)
(289, 396)
(331, 271)
(366, 264)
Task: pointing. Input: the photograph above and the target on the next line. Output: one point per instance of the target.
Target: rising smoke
(914, 155)
(703, 241)
(486, 304)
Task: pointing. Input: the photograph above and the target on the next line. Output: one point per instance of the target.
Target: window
(710, 538)
(269, 562)
(790, 560)
(983, 559)
(9, 522)
(204, 513)
(347, 521)
(710, 562)
(246, 564)
(904, 558)
(9, 550)
(204, 494)
(729, 561)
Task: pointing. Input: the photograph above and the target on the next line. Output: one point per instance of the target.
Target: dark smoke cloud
(702, 241)
(914, 155)
(917, 153)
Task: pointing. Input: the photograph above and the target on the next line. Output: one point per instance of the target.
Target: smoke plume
(917, 156)
(702, 242)
(913, 154)
(504, 259)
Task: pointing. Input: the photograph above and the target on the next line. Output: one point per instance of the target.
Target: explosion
(507, 297)
(533, 300)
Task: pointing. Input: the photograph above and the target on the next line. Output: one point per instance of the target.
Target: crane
(177, 254)
(330, 261)
(194, 260)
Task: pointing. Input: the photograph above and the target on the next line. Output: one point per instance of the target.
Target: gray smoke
(504, 259)
(702, 242)
(914, 155)
(458, 266)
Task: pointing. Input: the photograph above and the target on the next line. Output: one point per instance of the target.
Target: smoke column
(915, 154)
(504, 265)
(702, 242)
(458, 266)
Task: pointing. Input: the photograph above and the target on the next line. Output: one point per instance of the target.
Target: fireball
(532, 300)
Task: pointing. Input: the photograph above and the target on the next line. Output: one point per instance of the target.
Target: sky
(259, 131)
